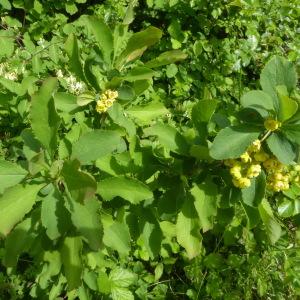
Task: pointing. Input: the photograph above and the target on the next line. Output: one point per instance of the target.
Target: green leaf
(278, 71)
(54, 215)
(81, 185)
(71, 259)
(240, 138)
(86, 219)
(138, 73)
(166, 58)
(45, 121)
(273, 229)
(252, 214)
(122, 278)
(129, 189)
(119, 293)
(281, 148)
(7, 39)
(17, 242)
(116, 236)
(289, 208)
(5, 4)
(169, 137)
(259, 101)
(117, 114)
(71, 47)
(292, 132)
(138, 43)
(205, 196)
(95, 144)
(15, 203)
(103, 36)
(51, 267)
(146, 113)
(188, 229)
(151, 234)
(65, 102)
(287, 108)
(201, 114)
(10, 174)
(254, 194)
(12, 86)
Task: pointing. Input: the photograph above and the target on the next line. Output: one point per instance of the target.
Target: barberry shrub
(110, 190)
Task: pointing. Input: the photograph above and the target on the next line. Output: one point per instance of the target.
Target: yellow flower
(109, 102)
(271, 124)
(245, 157)
(255, 146)
(272, 164)
(235, 171)
(242, 182)
(261, 156)
(101, 107)
(254, 170)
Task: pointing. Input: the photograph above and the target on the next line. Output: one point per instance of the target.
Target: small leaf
(138, 73)
(287, 107)
(259, 101)
(86, 219)
(95, 144)
(71, 47)
(254, 194)
(116, 236)
(122, 278)
(130, 189)
(278, 71)
(272, 227)
(146, 113)
(65, 102)
(45, 121)
(15, 203)
(71, 259)
(281, 148)
(169, 137)
(54, 215)
(138, 43)
(81, 185)
(292, 132)
(188, 230)
(10, 174)
(205, 196)
(240, 138)
(166, 58)
(102, 34)
(17, 242)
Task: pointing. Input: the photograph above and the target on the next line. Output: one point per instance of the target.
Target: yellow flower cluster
(271, 124)
(106, 100)
(295, 174)
(278, 178)
(246, 166)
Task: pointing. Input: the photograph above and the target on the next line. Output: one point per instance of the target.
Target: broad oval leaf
(15, 203)
(258, 100)
(129, 189)
(166, 58)
(95, 144)
(10, 174)
(233, 141)
(281, 148)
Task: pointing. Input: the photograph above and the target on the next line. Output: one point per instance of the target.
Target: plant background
(147, 245)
